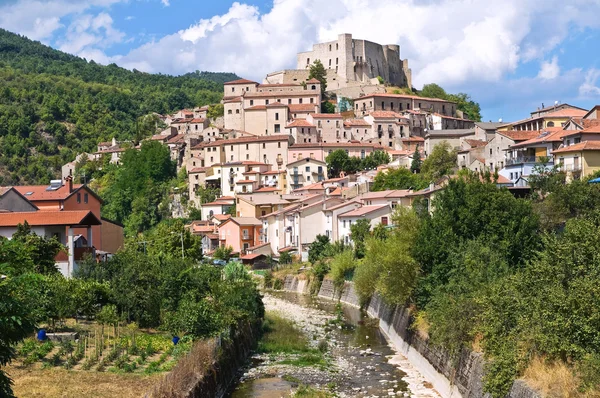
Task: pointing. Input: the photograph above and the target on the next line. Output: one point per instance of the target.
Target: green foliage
(359, 231)
(318, 249)
(416, 163)
(236, 271)
(440, 162)
(285, 258)
(166, 239)
(223, 253)
(380, 80)
(215, 111)
(468, 209)
(388, 267)
(342, 268)
(398, 178)
(374, 159)
(318, 71)
(54, 105)
(134, 190)
(16, 323)
(464, 103)
(327, 107)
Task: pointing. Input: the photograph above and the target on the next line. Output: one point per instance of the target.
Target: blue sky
(509, 55)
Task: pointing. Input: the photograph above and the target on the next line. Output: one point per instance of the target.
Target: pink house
(319, 151)
(240, 233)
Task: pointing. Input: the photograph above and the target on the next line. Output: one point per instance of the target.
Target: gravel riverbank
(360, 362)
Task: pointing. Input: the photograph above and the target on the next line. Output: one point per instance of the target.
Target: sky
(511, 56)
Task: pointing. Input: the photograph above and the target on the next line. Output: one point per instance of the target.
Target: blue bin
(41, 335)
(175, 340)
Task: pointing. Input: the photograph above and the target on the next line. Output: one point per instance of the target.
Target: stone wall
(452, 377)
(296, 285)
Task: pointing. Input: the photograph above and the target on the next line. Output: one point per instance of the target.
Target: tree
(359, 232)
(223, 253)
(342, 268)
(398, 178)
(327, 107)
(416, 163)
(16, 323)
(318, 71)
(285, 258)
(440, 162)
(318, 248)
(336, 162)
(374, 159)
(433, 90)
(464, 103)
(215, 111)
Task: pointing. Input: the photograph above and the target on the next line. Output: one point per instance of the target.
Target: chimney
(69, 180)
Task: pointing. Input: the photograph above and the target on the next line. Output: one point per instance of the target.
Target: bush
(342, 268)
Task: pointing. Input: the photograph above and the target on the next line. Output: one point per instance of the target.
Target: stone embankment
(451, 378)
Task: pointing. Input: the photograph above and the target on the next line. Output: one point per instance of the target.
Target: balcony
(526, 159)
(570, 167)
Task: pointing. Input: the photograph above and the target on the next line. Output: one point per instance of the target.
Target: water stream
(361, 361)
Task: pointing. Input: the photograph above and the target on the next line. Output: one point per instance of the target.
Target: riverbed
(361, 363)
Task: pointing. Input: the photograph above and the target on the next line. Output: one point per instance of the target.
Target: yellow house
(579, 160)
(553, 116)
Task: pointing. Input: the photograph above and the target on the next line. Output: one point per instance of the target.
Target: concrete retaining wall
(451, 377)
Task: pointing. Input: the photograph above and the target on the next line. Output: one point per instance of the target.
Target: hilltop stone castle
(350, 63)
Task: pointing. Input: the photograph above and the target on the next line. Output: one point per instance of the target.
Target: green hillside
(53, 105)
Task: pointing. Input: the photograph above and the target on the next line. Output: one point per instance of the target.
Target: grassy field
(37, 383)
(103, 362)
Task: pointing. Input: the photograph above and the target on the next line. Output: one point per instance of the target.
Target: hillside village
(266, 157)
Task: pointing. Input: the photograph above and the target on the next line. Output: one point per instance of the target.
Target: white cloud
(87, 32)
(39, 19)
(166, 3)
(591, 86)
(549, 70)
(452, 43)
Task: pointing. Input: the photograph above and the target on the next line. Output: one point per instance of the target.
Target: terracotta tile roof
(393, 193)
(240, 81)
(476, 143)
(105, 143)
(363, 211)
(294, 108)
(311, 187)
(253, 139)
(267, 189)
(299, 123)
(356, 123)
(386, 115)
(276, 104)
(241, 182)
(4, 190)
(230, 100)
(38, 192)
(203, 228)
(43, 218)
(198, 120)
(336, 192)
(414, 139)
(522, 135)
(569, 112)
(307, 159)
(222, 217)
(340, 145)
(251, 256)
(218, 202)
(278, 85)
(544, 137)
(402, 96)
(343, 204)
(256, 108)
(313, 81)
(501, 179)
(451, 117)
(258, 246)
(282, 94)
(245, 221)
(582, 146)
(176, 139)
(199, 170)
(327, 116)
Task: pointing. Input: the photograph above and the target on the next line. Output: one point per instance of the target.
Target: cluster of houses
(266, 156)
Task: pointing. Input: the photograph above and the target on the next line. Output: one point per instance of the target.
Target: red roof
(251, 256)
(356, 123)
(582, 146)
(520, 135)
(245, 182)
(267, 189)
(476, 143)
(362, 211)
(414, 139)
(299, 123)
(294, 108)
(545, 137)
(254, 139)
(386, 115)
(327, 116)
(39, 192)
(241, 81)
(313, 81)
(49, 218)
(198, 170)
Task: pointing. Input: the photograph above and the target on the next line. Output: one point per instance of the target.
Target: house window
(307, 169)
(85, 198)
(313, 87)
(382, 105)
(229, 112)
(247, 147)
(300, 101)
(312, 100)
(247, 156)
(344, 223)
(491, 151)
(511, 176)
(78, 198)
(289, 101)
(276, 116)
(277, 128)
(266, 102)
(279, 145)
(550, 124)
(251, 102)
(384, 220)
(362, 153)
(237, 111)
(264, 145)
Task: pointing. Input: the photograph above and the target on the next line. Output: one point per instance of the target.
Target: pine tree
(317, 71)
(415, 166)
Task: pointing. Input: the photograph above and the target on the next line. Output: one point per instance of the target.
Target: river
(362, 364)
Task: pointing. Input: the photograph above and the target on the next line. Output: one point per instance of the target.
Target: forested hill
(53, 105)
